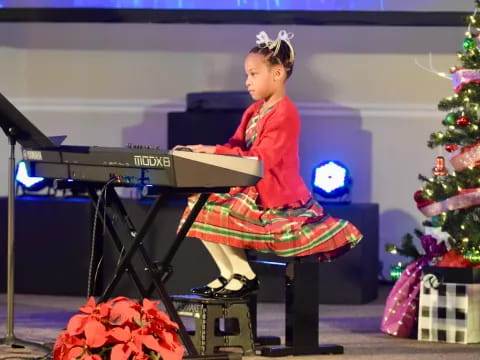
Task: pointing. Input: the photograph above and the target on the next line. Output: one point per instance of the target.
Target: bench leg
(301, 314)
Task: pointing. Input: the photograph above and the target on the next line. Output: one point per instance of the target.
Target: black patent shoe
(248, 287)
(207, 291)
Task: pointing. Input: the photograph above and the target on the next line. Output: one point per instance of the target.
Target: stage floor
(41, 318)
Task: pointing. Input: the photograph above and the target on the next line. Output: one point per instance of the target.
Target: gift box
(401, 309)
(449, 309)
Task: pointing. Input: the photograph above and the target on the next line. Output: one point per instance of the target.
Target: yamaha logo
(32, 155)
(152, 161)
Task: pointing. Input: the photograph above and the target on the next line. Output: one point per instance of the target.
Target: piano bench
(207, 336)
(301, 312)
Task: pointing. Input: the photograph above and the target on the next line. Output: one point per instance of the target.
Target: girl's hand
(181, 147)
(208, 149)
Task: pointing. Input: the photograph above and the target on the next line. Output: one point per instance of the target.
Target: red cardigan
(276, 145)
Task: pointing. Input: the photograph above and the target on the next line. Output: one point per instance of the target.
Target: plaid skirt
(298, 229)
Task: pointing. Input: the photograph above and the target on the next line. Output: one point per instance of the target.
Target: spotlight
(331, 182)
(26, 182)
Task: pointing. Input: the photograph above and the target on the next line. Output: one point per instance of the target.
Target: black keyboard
(143, 166)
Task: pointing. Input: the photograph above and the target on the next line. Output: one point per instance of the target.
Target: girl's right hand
(182, 148)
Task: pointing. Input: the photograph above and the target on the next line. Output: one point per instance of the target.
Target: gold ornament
(440, 169)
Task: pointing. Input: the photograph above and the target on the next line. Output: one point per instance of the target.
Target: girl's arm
(270, 147)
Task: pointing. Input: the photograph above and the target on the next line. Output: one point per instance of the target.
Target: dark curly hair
(283, 56)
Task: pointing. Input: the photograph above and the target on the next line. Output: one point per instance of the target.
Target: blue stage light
(25, 180)
(331, 182)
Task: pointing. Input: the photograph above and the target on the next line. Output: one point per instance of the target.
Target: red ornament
(451, 147)
(463, 121)
(418, 196)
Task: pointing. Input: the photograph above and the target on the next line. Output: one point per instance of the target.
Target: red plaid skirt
(298, 229)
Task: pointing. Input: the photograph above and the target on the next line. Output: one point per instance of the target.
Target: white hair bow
(274, 45)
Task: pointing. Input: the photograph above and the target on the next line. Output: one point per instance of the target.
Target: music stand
(18, 129)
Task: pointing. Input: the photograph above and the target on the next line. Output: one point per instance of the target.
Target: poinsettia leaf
(137, 343)
(136, 348)
(178, 352)
(120, 352)
(150, 342)
(148, 304)
(63, 345)
(139, 332)
(118, 299)
(77, 323)
(89, 307)
(124, 312)
(171, 354)
(168, 339)
(120, 334)
(71, 341)
(75, 352)
(95, 334)
(141, 356)
(161, 317)
(91, 357)
(103, 310)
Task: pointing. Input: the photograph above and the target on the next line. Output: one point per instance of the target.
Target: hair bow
(264, 40)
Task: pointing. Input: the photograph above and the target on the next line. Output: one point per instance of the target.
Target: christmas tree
(452, 200)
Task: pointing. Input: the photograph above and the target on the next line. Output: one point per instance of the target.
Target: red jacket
(276, 145)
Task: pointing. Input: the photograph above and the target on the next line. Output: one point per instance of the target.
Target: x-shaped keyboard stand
(159, 272)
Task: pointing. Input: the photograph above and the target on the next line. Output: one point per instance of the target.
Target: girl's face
(262, 79)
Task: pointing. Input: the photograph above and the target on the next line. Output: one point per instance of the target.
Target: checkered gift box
(448, 311)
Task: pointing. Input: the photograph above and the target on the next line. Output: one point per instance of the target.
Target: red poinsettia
(119, 329)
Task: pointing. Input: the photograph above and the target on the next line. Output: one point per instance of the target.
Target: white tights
(230, 260)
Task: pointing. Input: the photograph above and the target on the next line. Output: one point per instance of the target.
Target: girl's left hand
(203, 148)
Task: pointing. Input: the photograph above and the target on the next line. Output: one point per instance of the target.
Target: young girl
(278, 214)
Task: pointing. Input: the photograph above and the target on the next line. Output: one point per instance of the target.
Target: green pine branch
(407, 247)
(441, 188)
(470, 59)
(463, 225)
(461, 137)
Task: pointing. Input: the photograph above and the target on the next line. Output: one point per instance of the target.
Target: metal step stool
(208, 313)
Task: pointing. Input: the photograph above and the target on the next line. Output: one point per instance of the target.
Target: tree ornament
(463, 121)
(451, 147)
(473, 256)
(436, 221)
(469, 44)
(418, 196)
(396, 271)
(440, 169)
(450, 119)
